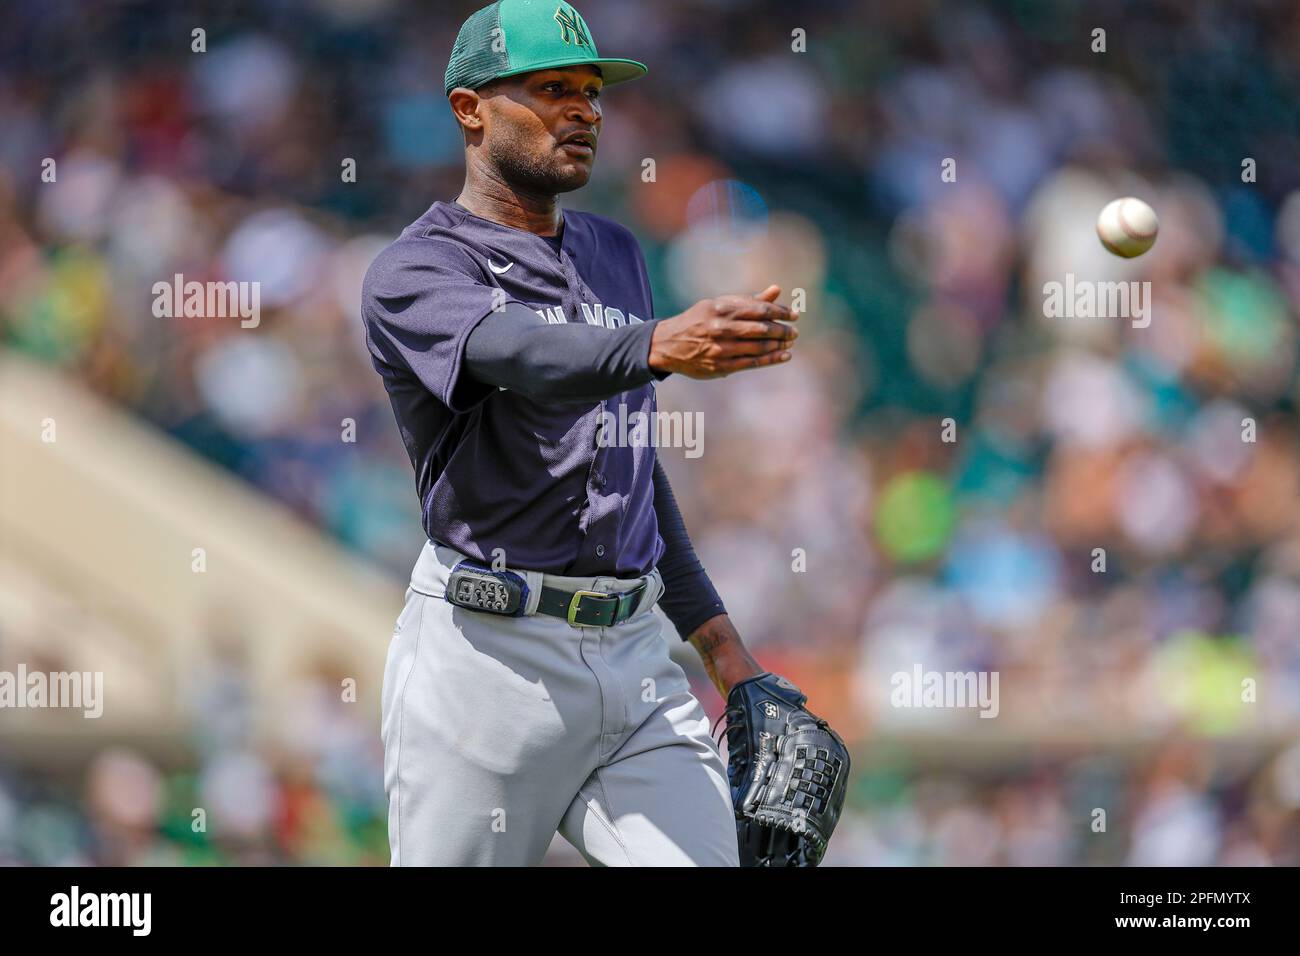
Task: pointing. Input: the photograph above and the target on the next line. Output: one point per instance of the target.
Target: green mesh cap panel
(528, 35)
(473, 61)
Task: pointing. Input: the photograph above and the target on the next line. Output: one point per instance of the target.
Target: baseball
(1127, 227)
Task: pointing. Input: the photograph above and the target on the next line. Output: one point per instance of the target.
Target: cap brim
(612, 70)
(618, 71)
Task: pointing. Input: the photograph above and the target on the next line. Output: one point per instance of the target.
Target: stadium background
(818, 170)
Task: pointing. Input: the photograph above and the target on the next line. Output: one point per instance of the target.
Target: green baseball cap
(510, 37)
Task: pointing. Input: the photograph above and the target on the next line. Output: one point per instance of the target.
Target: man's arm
(690, 600)
(517, 349)
(573, 362)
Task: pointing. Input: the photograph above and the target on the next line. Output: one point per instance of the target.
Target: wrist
(655, 358)
(725, 657)
(734, 669)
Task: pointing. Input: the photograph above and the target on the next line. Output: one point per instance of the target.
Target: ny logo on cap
(572, 29)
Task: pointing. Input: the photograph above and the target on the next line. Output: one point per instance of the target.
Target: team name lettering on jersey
(593, 313)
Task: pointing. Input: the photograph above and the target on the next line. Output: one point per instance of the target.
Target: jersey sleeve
(421, 299)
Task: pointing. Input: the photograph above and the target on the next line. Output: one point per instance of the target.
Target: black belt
(590, 608)
(480, 588)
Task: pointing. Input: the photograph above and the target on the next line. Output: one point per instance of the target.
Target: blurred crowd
(310, 793)
(1103, 513)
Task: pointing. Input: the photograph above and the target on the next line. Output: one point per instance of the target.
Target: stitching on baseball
(1128, 229)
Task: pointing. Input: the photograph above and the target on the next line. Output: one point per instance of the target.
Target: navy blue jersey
(493, 468)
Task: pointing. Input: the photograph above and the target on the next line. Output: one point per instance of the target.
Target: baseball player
(528, 688)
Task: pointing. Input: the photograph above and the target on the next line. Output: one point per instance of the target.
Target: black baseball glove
(788, 773)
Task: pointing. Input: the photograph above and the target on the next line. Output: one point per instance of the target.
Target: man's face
(540, 129)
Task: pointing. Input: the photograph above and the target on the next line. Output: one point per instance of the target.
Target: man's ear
(466, 104)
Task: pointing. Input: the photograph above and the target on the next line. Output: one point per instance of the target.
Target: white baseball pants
(500, 731)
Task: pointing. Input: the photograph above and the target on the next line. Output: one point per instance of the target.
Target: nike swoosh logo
(499, 270)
